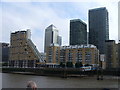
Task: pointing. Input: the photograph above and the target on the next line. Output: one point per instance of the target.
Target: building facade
(78, 32)
(51, 36)
(59, 40)
(87, 54)
(53, 54)
(5, 52)
(111, 53)
(118, 45)
(23, 52)
(98, 28)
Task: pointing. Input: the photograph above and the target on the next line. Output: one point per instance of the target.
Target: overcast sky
(39, 15)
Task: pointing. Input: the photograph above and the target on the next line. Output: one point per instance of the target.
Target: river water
(20, 81)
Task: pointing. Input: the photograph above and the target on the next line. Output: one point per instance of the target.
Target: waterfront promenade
(57, 78)
(60, 71)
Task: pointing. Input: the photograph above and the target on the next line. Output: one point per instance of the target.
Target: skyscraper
(78, 32)
(59, 41)
(51, 36)
(4, 47)
(98, 28)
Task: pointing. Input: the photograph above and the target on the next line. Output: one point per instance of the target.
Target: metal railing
(41, 58)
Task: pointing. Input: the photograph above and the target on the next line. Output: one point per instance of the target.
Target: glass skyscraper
(98, 28)
(52, 36)
(78, 32)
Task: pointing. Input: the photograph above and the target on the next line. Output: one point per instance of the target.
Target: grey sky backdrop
(119, 21)
(39, 15)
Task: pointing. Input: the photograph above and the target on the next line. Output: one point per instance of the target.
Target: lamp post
(99, 69)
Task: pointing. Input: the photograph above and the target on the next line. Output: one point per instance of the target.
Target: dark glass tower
(98, 28)
(78, 32)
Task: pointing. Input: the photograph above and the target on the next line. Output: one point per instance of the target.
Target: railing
(35, 50)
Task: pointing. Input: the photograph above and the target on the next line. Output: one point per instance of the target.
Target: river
(20, 81)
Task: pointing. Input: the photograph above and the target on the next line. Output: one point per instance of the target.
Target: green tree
(78, 64)
(62, 64)
(5, 64)
(69, 64)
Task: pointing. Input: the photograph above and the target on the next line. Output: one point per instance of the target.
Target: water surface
(20, 81)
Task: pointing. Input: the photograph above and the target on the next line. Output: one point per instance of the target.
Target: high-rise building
(111, 51)
(51, 36)
(87, 37)
(5, 52)
(59, 41)
(98, 28)
(78, 32)
(23, 52)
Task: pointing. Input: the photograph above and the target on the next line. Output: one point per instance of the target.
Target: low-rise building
(23, 52)
(87, 54)
(111, 53)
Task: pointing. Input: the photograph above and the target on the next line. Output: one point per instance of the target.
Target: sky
(119, 22)
(38, 15)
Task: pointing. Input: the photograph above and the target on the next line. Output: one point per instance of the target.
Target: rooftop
(18, 32)
(101, 8)
(77, 20)
(51, 27)
(4, 44)
(76, 46)
(79, 46)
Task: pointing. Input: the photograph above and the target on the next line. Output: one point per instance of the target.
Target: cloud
(39, 15)
(56, 0)
(16, 17)
(119, 21)
(0, 23)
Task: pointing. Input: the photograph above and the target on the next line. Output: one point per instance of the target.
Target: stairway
(37, 53)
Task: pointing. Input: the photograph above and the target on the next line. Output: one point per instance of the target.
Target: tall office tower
(87, 37)
(23, 52)
(59, 40)
(119, 21)
(98, 28)
(78, 32)
(51, 36)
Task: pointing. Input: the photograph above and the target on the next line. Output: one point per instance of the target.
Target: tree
(62, 64)
(69, 64)
(78, 64)
(5, 64)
